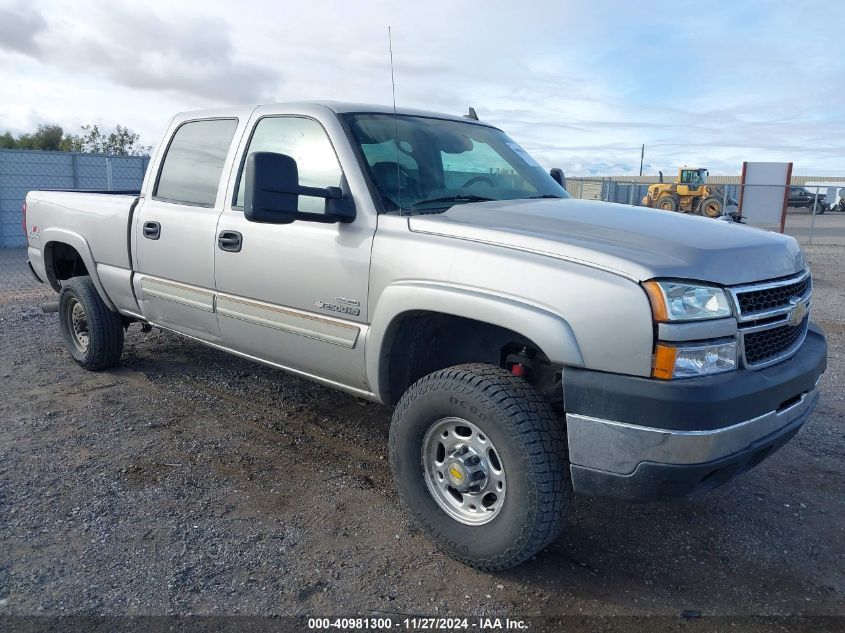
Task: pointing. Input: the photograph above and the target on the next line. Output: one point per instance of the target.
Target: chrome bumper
(619, 448)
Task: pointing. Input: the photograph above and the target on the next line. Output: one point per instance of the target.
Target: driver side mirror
(557, 175)
(272, 190)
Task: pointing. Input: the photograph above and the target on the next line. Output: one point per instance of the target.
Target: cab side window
(191, 170)
(307, 143)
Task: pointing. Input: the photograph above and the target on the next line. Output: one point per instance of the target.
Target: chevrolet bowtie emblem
(798, 312)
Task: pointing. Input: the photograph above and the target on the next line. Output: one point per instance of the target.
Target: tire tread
(105, 327)
(541, 436)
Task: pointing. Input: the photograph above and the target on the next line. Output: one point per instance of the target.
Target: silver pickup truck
(532, 345)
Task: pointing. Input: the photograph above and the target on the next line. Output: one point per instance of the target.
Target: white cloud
(579, 85)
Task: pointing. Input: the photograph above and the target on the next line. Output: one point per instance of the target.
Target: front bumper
(643, 440)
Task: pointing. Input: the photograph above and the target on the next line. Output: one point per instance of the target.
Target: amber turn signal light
(657, 300)
(664, 362)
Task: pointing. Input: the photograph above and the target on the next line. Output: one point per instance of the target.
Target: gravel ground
(191, 482)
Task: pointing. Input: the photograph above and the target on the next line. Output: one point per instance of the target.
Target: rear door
(175, 228)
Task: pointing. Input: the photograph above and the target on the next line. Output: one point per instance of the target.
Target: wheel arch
(479, 315)
(67, 254)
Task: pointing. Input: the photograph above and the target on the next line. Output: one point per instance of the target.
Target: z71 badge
(343, 306)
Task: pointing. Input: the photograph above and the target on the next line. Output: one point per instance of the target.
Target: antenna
(395, 122)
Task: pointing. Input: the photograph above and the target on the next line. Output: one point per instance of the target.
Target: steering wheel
(478, 179)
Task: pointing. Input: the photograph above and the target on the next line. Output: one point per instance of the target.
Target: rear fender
(52, 236)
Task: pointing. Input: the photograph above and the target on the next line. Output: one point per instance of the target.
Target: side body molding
(548, 331)
(51, 236)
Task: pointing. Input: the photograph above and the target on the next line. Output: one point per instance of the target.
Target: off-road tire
(532, 446)
(104, 327)
(711, 207)
(668, 203)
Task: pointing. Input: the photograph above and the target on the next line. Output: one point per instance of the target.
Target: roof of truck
(343, 108)
(340, 107)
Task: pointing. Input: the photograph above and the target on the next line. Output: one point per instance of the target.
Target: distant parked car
(834, 194)
(802, 198)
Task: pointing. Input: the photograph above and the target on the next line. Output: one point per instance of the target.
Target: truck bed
(101, 218)
(97, 226)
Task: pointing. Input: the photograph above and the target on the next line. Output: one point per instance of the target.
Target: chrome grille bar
(737, 291)
(792, 314)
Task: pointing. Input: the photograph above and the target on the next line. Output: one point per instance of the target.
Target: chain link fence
(626, 192)
(824, 196)
(813, 198)
(24, 170)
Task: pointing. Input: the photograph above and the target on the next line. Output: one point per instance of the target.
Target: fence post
(108, 173)
(813, 220)
(74, 171)
(631, 194)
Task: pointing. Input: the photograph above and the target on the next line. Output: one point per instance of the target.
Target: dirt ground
(191, 482)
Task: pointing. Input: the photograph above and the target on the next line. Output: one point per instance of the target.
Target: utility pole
(642, 155)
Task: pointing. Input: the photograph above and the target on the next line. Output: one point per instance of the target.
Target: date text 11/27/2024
(418, 624)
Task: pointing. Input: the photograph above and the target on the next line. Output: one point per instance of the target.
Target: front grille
(770, 344)
(766, 299)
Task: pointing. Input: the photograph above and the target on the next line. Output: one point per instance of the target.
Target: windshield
(694, 176)
(440, 163)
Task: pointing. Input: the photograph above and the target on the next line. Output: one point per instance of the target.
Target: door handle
(152, 230)
(230, 241)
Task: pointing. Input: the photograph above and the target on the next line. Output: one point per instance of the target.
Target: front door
(175, 229)
(296, 294)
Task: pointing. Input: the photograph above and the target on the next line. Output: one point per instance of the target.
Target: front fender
(548, 331)
(52, 236)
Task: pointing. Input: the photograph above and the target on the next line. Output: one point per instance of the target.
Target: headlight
(679, 301)
(686, 361)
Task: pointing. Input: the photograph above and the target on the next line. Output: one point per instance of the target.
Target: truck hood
(636, 242)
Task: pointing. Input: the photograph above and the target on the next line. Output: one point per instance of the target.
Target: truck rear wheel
(93, 333)
(480, 460)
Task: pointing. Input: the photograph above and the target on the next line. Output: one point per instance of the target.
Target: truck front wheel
(480, 460)
(93, 333)
(711, 207)
(668, 203)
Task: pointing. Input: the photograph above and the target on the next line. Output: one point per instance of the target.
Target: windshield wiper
(546, 195)
(458, 198)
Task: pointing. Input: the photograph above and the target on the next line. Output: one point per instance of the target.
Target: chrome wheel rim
(78, 325)
(463, 471)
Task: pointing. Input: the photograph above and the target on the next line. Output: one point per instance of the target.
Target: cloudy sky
(579, 84)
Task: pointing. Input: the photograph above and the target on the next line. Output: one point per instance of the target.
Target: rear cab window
(193, 165)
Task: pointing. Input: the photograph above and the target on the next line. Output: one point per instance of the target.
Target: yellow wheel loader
(690, 193)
